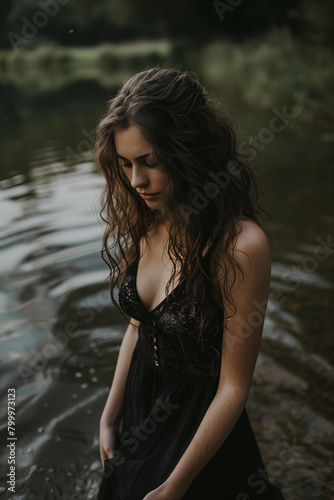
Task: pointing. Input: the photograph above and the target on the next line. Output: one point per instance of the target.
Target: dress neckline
(163, 300)
(135, 272)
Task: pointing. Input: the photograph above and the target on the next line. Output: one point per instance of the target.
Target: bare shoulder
(251, 250)
(252, 253)
(252, 239)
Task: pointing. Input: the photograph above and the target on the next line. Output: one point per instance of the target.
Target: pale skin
(240, 345)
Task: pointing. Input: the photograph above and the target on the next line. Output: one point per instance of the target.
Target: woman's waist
(178, 357)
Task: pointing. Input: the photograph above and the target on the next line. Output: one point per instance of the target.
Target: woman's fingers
(106, 442)
(109, 453)
(105, 453)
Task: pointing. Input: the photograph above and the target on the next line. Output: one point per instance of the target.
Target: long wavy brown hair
(211, 186)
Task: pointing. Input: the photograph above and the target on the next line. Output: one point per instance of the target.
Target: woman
(193, 268)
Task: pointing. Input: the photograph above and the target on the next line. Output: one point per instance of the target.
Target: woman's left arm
(241, 343)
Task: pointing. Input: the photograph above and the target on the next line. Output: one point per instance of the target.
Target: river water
(60, 334)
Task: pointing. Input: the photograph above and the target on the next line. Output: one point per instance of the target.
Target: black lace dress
(171, 382)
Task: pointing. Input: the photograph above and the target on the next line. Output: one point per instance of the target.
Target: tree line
(87, 23)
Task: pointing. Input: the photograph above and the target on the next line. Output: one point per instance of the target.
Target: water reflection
(60, 333)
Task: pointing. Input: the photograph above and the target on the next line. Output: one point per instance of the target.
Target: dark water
(60, 334)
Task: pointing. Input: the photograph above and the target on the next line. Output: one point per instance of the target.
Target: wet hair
(211, 186)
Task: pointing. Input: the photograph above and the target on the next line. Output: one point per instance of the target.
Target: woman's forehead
(131, 142)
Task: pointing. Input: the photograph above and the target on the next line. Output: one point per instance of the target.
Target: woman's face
(135, 156)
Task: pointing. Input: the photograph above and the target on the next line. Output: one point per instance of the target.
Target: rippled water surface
(60, 334)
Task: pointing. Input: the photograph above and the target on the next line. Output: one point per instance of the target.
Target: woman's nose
(138, 178)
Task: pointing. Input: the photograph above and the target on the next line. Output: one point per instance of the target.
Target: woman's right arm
(116, 393)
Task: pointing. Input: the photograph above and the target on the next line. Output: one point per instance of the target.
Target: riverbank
(272, 71)
(50, 68)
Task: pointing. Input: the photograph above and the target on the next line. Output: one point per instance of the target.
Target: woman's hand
(107, 440)
(165, 492)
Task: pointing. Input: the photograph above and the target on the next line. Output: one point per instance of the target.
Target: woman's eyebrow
(141, 157)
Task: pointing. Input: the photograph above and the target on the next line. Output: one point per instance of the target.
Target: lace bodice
(168, 334)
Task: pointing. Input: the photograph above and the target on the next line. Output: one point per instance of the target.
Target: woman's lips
(148, 196)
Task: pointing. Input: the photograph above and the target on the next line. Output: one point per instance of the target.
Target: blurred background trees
(83, 22)
(260, 59)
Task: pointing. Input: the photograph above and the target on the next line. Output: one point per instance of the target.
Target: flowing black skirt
(160, 415)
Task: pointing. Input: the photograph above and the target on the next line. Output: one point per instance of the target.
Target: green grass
(52, 67)
(52, 55)
(274, 71)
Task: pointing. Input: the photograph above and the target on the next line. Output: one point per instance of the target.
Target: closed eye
(149, 165)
